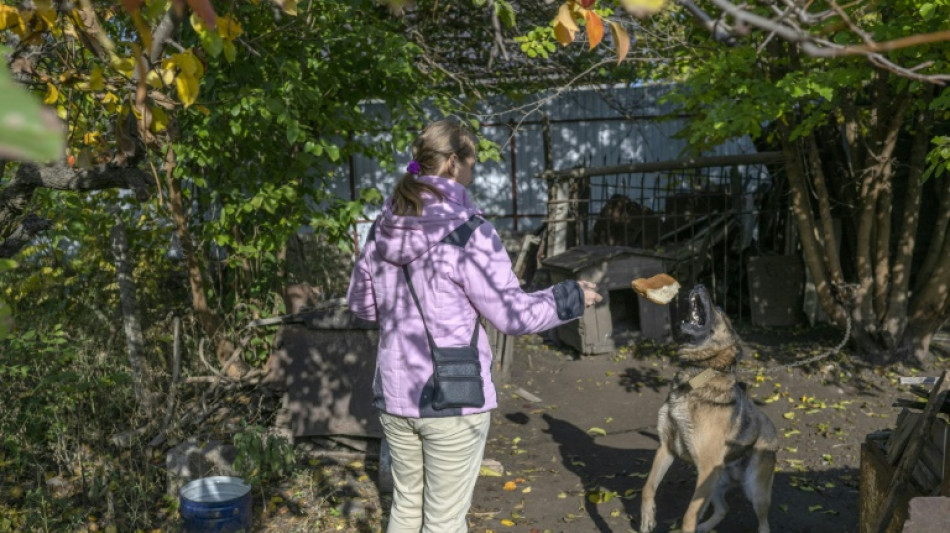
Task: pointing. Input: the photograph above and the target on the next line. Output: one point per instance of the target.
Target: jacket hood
(401, 239)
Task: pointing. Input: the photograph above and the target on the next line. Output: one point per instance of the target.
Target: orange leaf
(564, 25)
(621, 41)
(595, 28)
(510, 485)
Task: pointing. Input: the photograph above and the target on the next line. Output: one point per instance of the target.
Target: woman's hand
(591, 296)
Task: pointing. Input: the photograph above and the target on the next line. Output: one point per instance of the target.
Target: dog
(709, 421)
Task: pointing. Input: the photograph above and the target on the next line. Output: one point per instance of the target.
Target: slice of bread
(659, 289)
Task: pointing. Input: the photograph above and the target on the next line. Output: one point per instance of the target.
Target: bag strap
(412, 290)
(460, 238)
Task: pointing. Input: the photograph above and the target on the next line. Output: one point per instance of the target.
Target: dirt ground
(576, 460)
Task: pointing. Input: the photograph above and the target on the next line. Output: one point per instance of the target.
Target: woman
(430, 267)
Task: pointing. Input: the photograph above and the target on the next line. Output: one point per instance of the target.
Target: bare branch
(785, 28)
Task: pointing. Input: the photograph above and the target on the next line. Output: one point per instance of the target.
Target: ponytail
(407, 196)
(435, 145)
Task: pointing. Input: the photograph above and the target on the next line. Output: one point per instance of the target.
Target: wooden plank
(925, 479)
(906, 422)
(932, 458)
(911, 455)
(759, 158)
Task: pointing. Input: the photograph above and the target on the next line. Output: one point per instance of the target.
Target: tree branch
(15, 196)
(814, 46)
(22, 234)
(163, 32)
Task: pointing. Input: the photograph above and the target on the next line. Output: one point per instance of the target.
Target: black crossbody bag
(456, 371)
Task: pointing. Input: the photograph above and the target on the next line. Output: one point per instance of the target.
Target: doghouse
(622, 312)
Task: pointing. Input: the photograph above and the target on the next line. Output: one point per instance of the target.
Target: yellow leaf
(90, 138)
(198, 24)
(642, 8)
(289, 7)
(526, 490)
(125, 65)
(9, 17)
(510, 485)
(154, 79)
(109, 101)
(601, 496)
(507, 522)
(159, 120)
(228, 28)
(46, 11)
(168, 76)
(186, 62)
(564, 25)
(789, 415)
(96, 81)
(483, 471)
(595, 28)
(206, 112)
(187, 86)
(52, 94)
(621, 40)
(597, 431)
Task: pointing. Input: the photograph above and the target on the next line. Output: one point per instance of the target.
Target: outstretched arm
(494, 290)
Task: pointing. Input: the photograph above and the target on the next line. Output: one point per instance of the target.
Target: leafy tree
(830, 87)
(229, 125)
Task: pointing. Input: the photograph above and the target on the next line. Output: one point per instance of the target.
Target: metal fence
(705, 217)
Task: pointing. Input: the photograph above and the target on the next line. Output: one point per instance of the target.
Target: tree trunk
(210, 322)
(877, 171)
(895, 320)
(128, 304)
(805, 220)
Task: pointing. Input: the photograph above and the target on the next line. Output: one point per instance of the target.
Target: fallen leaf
(510, 485)
(488, 472)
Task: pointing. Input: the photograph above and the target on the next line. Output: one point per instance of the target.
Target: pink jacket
(458, 273)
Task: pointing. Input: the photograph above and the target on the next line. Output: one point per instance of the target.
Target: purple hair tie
(413, 167)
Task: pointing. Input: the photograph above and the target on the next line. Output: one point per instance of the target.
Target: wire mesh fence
(705, 221)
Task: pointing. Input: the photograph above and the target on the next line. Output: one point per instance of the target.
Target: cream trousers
(435, 462)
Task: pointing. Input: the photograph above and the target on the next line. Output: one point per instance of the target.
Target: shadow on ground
(609, 472)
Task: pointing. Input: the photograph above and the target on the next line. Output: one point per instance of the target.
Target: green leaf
(506, 13)
(927, 11)
(333, 152)
(28, 130)
(597, 431)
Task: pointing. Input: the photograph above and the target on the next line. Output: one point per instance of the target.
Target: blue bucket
(218, 504)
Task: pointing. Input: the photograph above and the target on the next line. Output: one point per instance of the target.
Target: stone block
(928, 515)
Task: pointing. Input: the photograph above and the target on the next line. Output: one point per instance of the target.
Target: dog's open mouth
(699, 316)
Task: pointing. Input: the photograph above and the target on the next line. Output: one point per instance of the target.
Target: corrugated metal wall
(590, 127)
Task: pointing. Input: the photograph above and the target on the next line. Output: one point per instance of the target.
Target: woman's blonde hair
(432, 148)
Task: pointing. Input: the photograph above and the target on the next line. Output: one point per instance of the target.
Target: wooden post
(911, 455)
(558, 196)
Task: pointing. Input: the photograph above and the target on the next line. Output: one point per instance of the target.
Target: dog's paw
(647, 524)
